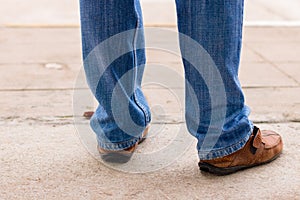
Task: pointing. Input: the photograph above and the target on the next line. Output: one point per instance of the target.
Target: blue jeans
(114, 60)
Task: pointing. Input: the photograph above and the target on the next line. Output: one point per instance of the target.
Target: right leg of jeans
(210, 42)
(114, 58)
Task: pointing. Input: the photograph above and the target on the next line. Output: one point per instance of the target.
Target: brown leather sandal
(262, 147)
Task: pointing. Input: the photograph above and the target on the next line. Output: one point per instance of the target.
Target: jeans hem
(118, 146)
(209, 155)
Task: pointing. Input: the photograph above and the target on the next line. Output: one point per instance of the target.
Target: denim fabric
(114, 71)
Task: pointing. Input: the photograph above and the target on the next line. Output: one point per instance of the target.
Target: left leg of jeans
(114, 58)
(210, 42)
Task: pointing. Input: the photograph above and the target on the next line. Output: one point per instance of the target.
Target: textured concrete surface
(44, 155)
(47, 161)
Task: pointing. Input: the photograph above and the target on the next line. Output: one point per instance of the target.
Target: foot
(262, 147)
(121, 156)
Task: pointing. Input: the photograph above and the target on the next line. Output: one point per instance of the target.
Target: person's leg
(217, 27)
(210, 42)
(111, 33)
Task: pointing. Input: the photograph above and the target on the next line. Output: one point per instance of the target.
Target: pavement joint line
(41, 89)
(272, 23)
(70, 120)
(70, 89)
(267, 23)
(275, 66)
(283, 72)
(38, 63)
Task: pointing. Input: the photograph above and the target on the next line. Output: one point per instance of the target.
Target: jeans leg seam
(142, 108)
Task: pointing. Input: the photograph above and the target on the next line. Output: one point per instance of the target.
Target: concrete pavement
(42, 156)
(156, 12)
